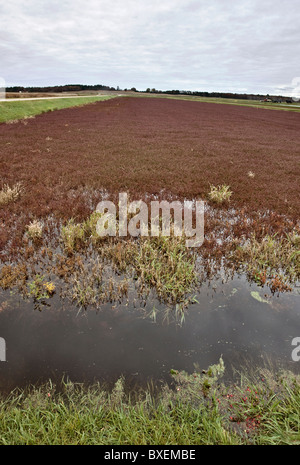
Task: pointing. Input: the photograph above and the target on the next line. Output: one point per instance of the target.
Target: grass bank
(197, 410)
(13, 111)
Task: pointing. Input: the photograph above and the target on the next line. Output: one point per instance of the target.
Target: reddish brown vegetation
(150, 145)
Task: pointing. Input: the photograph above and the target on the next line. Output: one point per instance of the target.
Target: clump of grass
(271, 260)
(161, 262)
(35, 230)
(73, 235)
(10, 194)
(165, 263)
(219, 194)
(13, 275)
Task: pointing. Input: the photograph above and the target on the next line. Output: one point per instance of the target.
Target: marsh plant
(73, 235)
(167, 265)
(10, 194)
(219, 194)
(162, 262)
(40, 289)
(271, 260)
(35, 230)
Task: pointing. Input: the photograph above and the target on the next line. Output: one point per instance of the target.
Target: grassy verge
(12, 111)
(199, 410)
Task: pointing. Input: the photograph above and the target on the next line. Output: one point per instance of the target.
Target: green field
(11, 111)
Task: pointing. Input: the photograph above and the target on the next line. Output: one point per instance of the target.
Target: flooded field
(74, 306)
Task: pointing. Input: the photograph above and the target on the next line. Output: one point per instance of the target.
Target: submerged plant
(38, 289)
(49, 287)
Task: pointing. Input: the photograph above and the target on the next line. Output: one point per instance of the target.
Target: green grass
(13, 111)
(162, 262)
(220, 194)
(200, 410)
(272, 260)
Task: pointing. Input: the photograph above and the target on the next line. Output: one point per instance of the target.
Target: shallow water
(90, 345)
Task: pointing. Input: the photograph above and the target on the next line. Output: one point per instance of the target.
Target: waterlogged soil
(244, 323)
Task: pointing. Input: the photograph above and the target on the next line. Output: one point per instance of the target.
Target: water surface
(142, 344)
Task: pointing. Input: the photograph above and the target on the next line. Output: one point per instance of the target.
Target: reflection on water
(241, 322)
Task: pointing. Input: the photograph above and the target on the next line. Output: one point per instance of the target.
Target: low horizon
(147, 90)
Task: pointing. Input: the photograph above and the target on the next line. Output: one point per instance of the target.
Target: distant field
(15, 110)
(249, 103)
(27, 106)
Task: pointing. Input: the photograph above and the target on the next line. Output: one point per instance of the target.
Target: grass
(10, 194)
(165, 263)
(162, 263)
(199, 410)
(35, 230)
(271, 260)
(219, 194)
(14, 111)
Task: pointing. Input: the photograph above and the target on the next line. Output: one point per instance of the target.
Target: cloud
(216, 45)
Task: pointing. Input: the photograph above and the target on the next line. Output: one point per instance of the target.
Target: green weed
(220, 194)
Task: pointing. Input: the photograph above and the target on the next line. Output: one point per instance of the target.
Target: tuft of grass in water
(10, 194)
(219, 194)
(165, 263)
(73, 235)
(272, 260)
(162, 262)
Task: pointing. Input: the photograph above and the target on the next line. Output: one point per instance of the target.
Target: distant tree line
(96, 87)
(213, 94)
(58, 89)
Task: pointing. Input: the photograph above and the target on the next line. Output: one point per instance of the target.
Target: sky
(240, 46)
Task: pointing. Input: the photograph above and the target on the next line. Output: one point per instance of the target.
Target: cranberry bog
(89, 307)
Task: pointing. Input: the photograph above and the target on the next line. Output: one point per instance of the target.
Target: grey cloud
(245, 44)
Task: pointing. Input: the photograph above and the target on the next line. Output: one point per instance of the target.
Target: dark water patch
(243, 323)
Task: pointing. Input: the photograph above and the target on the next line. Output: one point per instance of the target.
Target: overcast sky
(211, 45)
